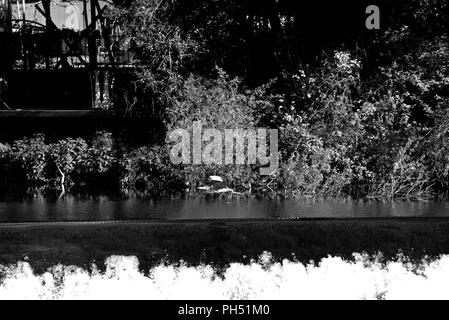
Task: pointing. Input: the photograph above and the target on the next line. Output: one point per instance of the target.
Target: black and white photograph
(236, 151)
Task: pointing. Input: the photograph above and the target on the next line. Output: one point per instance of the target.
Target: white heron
(217, 185)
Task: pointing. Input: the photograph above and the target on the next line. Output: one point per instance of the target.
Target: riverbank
(219, 242)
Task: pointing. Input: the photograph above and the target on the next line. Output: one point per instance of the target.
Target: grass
(220, 243)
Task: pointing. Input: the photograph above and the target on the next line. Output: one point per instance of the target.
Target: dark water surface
(72, 208)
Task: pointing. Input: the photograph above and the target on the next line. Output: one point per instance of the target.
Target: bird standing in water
(217, 185)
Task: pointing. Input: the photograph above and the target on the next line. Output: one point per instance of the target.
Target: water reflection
(101, 208)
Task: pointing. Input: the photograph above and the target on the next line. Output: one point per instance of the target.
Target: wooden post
(6, 57)
(9, 55)
(93, 52)
(6, 23)
(47, 10)
(86, 19)
(24, 38)
(92, 39)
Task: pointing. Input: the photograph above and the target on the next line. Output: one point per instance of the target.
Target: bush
(30, 157)
(63, 164)
(409, 178)
(218, 104)
(68, 156)
(149, 169)
(99, 158)
(5, 150)
(310, 168)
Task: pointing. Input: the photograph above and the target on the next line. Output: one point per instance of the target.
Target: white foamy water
(333, 278)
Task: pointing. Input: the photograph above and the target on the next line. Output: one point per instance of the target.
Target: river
(102, 208)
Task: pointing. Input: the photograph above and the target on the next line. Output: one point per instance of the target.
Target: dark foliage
(360, 112)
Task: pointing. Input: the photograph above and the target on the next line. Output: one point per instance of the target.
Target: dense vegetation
(361, 113)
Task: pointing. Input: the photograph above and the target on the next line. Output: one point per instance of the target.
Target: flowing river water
(102, 208)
